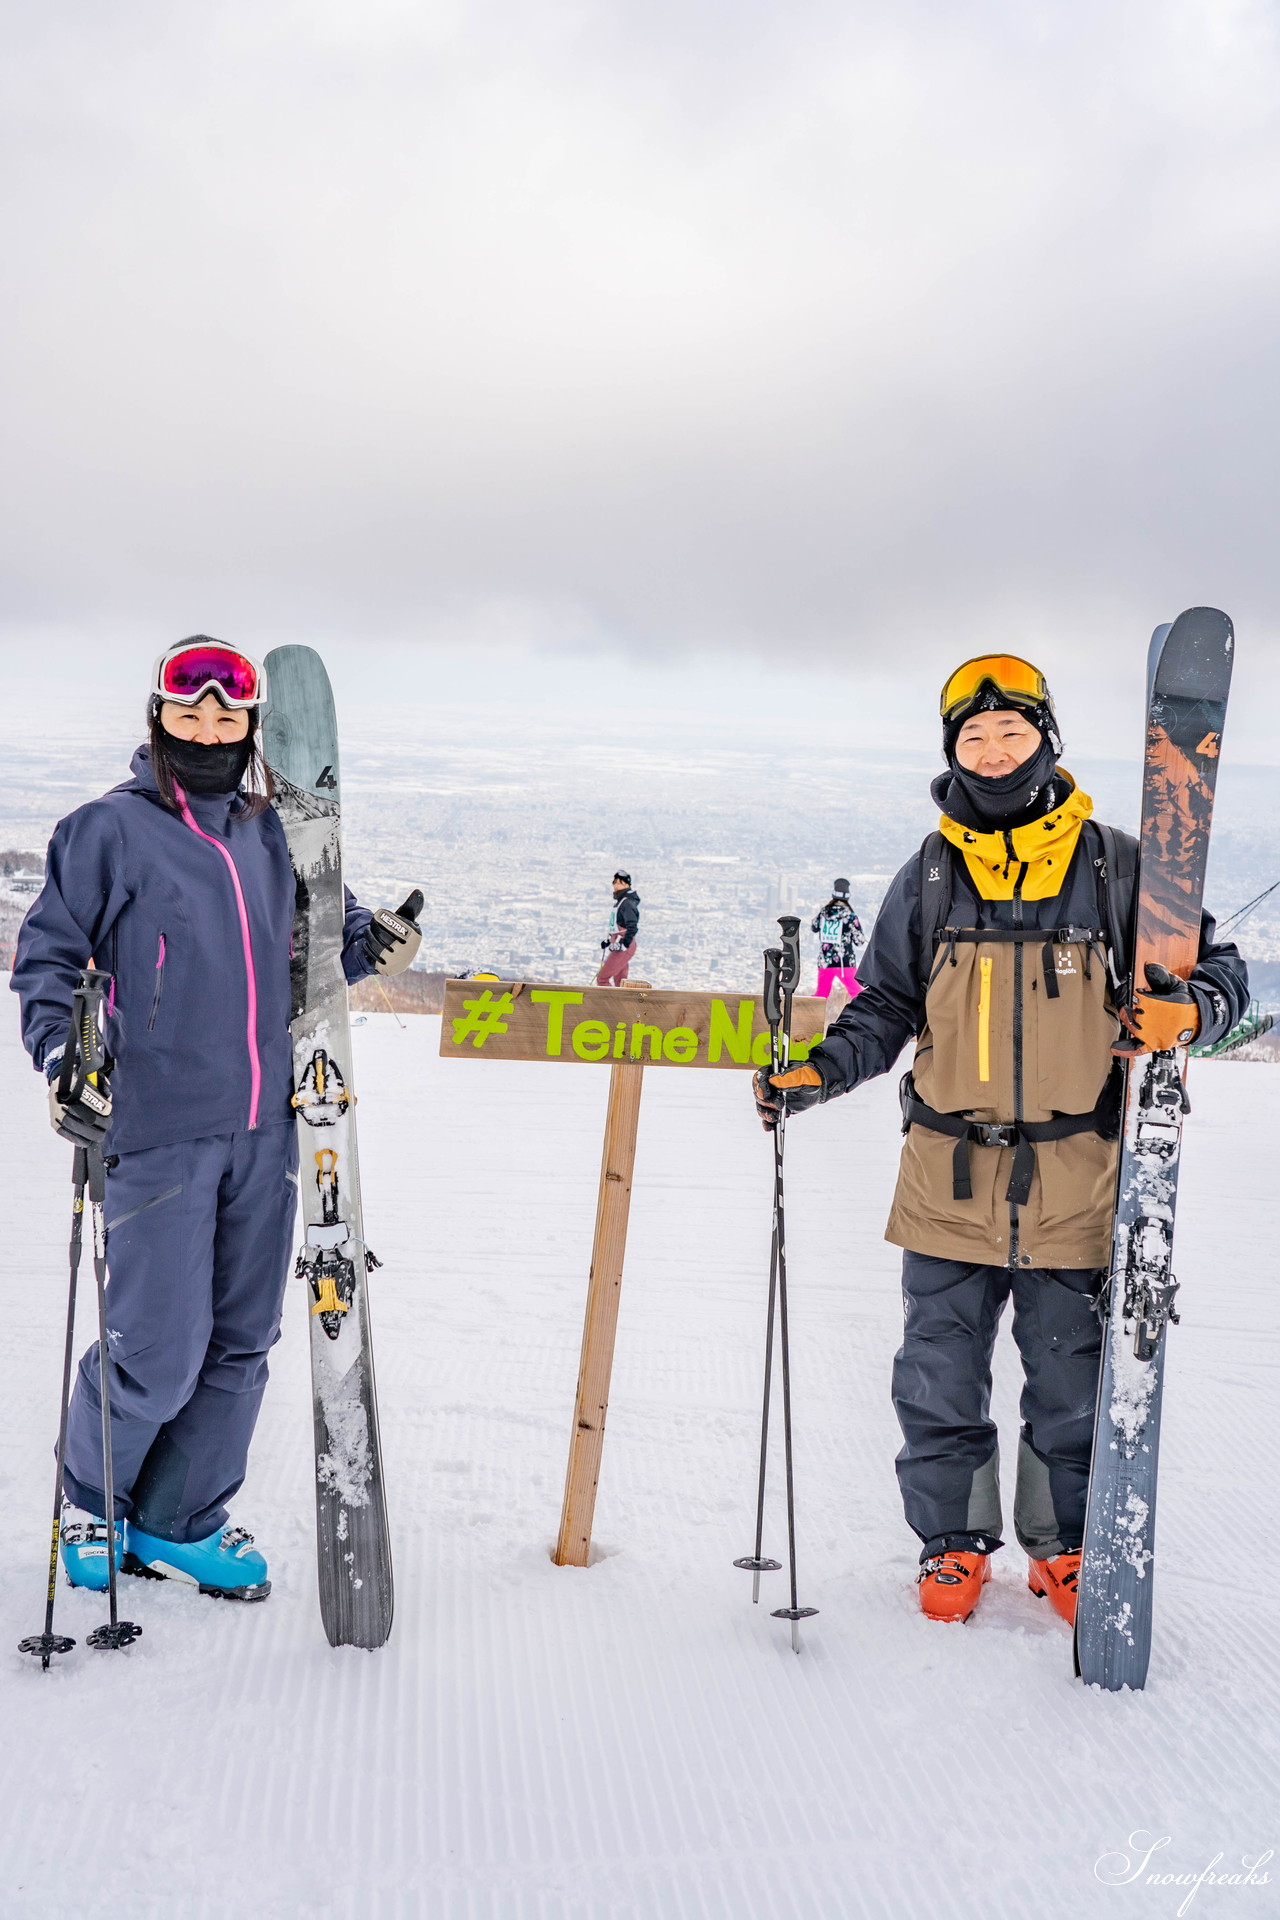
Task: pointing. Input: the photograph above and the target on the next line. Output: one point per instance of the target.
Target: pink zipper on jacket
(255, 1065)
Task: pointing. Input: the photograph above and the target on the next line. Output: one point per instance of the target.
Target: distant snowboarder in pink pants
(840, 934)
(624, 924)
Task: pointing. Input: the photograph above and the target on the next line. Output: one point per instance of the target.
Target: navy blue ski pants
(198, 1243)
(949, 1466)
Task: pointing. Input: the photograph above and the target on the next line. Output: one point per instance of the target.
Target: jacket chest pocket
(1070, 1032)
(158, 991)
(970, 1018)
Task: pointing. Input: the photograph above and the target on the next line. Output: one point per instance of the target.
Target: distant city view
(513, 823)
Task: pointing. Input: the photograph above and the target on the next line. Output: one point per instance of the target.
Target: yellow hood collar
(1044, 847)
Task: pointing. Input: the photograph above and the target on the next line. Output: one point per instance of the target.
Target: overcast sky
(844, 334)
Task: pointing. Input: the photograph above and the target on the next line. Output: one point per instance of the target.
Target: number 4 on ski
(1189, 675)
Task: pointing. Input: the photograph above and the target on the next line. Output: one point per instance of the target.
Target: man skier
(840, 934)
(624, 923)
(1000, 947)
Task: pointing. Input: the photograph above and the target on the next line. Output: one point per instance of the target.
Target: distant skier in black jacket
(624, 924)
(840, 934)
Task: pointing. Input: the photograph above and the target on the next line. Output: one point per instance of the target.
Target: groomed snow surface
(634, 1739)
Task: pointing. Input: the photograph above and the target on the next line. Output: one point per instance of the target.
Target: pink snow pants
(613, 968)
(848, 974)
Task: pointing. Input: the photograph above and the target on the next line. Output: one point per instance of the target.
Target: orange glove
(1164, 1013)
(791, 1083)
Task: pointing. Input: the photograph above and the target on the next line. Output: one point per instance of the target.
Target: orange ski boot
(1057, 1578)
(951, 1584)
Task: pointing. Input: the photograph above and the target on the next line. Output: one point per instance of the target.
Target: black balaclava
(200, 769)
(1015, 799)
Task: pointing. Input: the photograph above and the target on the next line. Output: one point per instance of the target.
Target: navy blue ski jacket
(193, 919)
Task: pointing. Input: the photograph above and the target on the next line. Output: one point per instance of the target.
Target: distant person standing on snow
(840, 934)
(178, 883)
(624, 923)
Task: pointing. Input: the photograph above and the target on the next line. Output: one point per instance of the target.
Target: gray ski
(300, 740)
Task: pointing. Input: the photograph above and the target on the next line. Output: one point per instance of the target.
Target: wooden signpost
(626, 1029)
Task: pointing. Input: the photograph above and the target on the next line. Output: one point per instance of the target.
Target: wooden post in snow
(617, 1027)
(604, 1290)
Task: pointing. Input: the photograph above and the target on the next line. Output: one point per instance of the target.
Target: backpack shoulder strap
(936, 874)
(1115, 858)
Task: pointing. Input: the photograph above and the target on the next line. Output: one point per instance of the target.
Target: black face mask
(201, 769)
(1014, 800)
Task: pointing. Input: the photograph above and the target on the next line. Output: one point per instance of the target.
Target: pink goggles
(196, 667)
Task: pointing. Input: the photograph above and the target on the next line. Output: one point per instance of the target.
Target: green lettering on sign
(590, 1039)
(726, 1037)
(482, 1016)
(555, 1003)
(638, 1035)
(680, 1046)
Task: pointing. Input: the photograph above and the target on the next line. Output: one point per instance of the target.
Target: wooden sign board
(626, 1029)
(522, 1020)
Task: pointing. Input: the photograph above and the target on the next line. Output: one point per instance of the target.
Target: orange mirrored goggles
(1018, 679)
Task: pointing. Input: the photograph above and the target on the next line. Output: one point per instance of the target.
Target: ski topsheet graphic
(354, 1554)
(1189, 674)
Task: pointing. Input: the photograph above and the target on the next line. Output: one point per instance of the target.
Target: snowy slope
(633, 1740)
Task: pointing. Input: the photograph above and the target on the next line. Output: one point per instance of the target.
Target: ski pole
(48, 1643)
(117, 1633)
(755, 1564)
(92, 1064)
(790, 978)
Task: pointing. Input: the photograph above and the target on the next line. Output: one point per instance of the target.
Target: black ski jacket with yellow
(1058, 997)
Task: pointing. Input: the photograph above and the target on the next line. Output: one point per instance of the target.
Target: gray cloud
(862, 330)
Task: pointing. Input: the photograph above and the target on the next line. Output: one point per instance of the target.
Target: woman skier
(840, 934)
(999, 948)
(178, 885)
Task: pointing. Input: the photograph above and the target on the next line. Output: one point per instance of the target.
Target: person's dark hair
(257, 783)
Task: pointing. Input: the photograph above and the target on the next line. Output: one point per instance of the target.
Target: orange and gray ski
(1188, 682)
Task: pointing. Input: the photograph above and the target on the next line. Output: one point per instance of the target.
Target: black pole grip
(84, 1052)
(772, 987)
(790, 926)
(790, 976)
(412, 907)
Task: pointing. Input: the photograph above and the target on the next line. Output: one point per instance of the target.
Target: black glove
(800, 1087)
(391, 940)
(84, 1116)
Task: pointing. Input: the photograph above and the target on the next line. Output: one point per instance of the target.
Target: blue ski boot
(83, 1540)
(226, 1565)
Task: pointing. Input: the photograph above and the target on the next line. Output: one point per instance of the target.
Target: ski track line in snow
(633, 1740)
